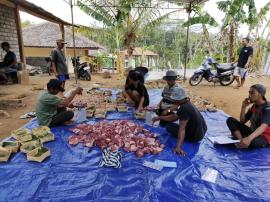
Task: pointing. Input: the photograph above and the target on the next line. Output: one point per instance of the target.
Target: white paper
(222, 140)
(210, 175)
(168, 164)
(152, 165)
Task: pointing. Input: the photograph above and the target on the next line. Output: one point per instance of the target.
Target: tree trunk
(209, 44)
(232, 42)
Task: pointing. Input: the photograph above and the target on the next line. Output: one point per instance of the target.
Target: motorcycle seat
(225, 66)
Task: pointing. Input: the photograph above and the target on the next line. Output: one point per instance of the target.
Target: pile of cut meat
(117, 134)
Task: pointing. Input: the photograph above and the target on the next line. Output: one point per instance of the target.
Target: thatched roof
(44, 35)
(138, 52)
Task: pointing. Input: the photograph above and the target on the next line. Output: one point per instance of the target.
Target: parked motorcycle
(223, 73)
(82, 69)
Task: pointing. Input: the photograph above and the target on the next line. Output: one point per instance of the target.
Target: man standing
(59, 64)
(243, 63)
(192, 126)
(258, 134)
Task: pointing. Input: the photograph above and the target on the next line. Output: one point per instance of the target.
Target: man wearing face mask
(258, 134)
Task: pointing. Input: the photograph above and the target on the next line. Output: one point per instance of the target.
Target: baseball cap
(170, 75)
(260, 88)
(179, 94)
(61, 41)
(55, 84)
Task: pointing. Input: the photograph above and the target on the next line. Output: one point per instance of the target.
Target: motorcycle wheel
(87, 76)
(226, 81)
(196, 79)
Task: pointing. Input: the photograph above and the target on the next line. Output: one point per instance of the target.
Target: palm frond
(204, 19)
(97, 12)
(223, 5)
(263, 12)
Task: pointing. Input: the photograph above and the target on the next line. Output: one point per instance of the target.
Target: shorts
(241, 72)
(63, 77)
(7, 70)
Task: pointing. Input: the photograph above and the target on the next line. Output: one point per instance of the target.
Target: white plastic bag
(79, 115)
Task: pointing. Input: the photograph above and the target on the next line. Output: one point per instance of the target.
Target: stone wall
(8, 30)
(37, 62)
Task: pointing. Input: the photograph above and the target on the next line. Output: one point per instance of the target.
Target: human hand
(139, 109)
(155, 119)
(246, 102)
(71, 105)
(79, 90)
(244, 143)
(179, 151)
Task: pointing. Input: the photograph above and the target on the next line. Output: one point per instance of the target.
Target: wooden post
(23, 75)
(73, 38)
(62, 29)
(187, 40)
(19, 33)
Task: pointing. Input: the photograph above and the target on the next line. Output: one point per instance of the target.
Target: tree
(125, 17)
(203, 18)
(235, 15)
(255, 21)
(26, 23)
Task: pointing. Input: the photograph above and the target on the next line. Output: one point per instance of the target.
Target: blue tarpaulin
(72, 173)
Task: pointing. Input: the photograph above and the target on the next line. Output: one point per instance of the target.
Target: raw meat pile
(117, 134)
(93, 97)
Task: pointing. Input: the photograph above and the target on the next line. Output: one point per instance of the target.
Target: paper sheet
(210, 175)
(168, 164)
(222, 140)
(152, 165)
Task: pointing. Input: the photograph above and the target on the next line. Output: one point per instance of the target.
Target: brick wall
(8, 30)
(37, 62)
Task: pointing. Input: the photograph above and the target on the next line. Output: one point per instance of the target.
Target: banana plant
(125, 17)
(203, 18)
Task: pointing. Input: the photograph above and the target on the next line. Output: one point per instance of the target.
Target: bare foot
(237, 87)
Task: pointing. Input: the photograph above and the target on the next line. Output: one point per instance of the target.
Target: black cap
(260, 88)
(55, 84)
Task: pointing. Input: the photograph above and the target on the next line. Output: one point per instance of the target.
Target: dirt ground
(227, 99)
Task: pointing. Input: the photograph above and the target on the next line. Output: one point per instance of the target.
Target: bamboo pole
(187, 40)
(74, 45)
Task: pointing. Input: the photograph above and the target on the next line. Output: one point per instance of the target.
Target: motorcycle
(223, 73)
(82, 69)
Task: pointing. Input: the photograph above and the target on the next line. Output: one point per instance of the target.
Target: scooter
(82, 69)
(223, 73)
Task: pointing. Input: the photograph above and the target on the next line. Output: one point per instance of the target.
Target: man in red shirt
(258, 134)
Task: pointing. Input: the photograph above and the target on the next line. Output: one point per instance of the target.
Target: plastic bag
(79, 115)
